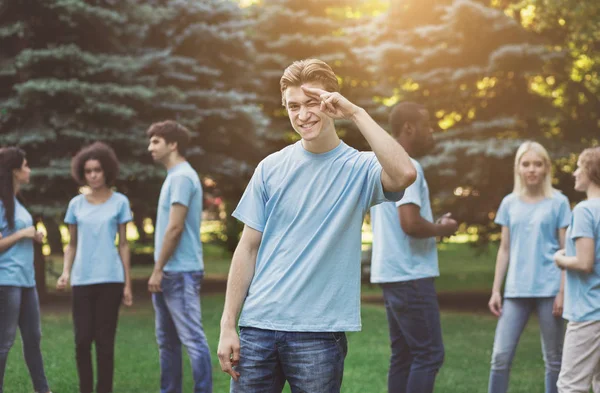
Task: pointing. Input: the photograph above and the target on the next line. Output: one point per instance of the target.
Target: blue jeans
(178, 321)
(515, 313)
(311, 362)
(415, 334)
(19, 306)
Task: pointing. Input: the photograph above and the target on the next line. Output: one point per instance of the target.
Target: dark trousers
(95, 315)
(415, 335)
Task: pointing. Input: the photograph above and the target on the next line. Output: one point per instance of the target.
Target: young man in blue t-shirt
(178, 269)
(405, 262)
(296, 270)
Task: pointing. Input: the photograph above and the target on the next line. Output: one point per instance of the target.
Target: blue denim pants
(178, 321)
(515, 313)
(415, 335)
(19, 306)
(311, 362)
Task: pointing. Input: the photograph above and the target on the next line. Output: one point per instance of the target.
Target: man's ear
(172, 146)
(409, 128)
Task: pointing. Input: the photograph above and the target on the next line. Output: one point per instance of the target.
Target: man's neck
(172, 161)
(407, 145)
(593, 191)
(327, 141)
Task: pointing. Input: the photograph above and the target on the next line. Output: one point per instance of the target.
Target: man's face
(423, 134)
(159, 149)
(305, 114)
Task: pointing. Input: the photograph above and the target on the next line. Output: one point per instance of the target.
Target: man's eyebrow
(309, 100)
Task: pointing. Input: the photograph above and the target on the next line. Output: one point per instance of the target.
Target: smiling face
(23, 174)
(305, 114)
(582, 180)
(532, 169)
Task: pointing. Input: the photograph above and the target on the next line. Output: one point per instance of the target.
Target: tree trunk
(54, 236)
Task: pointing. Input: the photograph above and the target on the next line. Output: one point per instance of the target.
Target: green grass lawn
(468, 340)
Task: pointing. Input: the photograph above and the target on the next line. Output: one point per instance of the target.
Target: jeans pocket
(341, 342)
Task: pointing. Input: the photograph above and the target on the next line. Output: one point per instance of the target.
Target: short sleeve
(413, 193)
(377, 194)
(124, 211)
(564, 213)
(583, 223)
(70, 217)
(182, 190)
(251, 210)
(502, 216)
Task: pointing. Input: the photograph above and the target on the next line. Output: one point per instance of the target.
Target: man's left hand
(155, 280)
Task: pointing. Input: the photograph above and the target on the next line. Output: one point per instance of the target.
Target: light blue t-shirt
(534, 239)
(16, 262)
(582, 290)
(310, 208)
(96, 258)
(182, 186)
(396, 255)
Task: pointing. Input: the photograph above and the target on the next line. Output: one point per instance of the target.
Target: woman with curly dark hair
(100, 275)
(19, 305)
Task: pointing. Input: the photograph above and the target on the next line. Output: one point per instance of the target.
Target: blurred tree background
(492, 74)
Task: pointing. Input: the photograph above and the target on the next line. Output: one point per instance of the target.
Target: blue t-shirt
(582, 290)
(309, 208)
(182, 186)
(97, 259)
(534, 239)
(16, 262)
(396, 255)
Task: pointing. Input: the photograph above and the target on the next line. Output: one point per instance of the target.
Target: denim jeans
(415, 335)
(95, 315)
(20, 307)
(311, 362)
(515, 313)
(178, 321)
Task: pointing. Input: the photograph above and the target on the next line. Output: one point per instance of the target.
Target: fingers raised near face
(313, 91)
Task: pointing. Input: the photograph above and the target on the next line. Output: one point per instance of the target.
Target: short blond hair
(590, 160)
(519, 187)
(308, 70)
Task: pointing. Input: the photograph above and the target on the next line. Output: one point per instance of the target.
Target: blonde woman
(534, 218)
(581, 357)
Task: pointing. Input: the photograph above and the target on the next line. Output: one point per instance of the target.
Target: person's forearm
(170, 242)
(422, 229)
(240, 276)
(501, 268)
(563, 277)
(69, 258)
(9, 241)
(391, 155)
(125, 254)
(573, 263)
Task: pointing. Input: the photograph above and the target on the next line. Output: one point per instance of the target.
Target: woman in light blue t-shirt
(19, 305)
(534, 218)
(100, 270)
(581, 260)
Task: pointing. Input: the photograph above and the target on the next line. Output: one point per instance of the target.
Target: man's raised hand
(334, 104)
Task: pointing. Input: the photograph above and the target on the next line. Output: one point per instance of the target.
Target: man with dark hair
(295, 274)
(178, 269)
(405, 263)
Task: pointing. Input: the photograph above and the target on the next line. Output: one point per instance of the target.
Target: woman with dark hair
(100, 275)
(19, 305)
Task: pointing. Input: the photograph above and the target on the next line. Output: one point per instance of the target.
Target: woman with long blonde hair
(534, 218)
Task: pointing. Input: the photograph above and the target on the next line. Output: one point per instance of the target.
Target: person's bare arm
(584, 258)
(240, 276)
(502, 260)
(173, 233)
(68, 259)
(414, 225)
(125, 254)
(26, 233)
